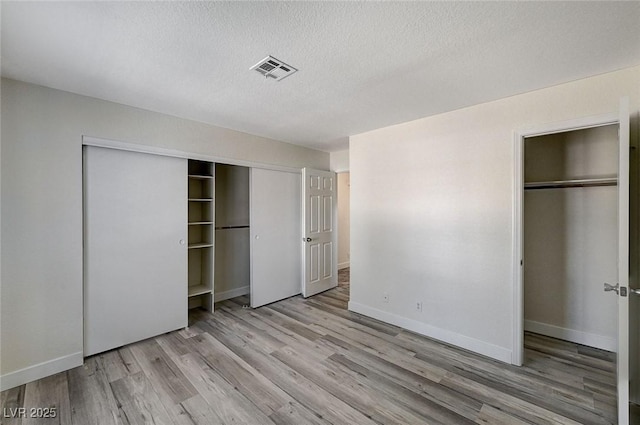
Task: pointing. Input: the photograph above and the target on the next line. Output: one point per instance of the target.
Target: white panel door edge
(623, 266)
(320, 235)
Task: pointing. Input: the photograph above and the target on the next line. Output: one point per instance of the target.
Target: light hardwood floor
(313, 362)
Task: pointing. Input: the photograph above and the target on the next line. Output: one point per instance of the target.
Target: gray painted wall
(41, 216)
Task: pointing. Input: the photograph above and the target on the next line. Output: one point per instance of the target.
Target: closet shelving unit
(201, 213)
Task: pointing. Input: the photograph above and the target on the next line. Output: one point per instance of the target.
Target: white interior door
(275, 235)
(320, 234)
(623, 359)
(135, 252)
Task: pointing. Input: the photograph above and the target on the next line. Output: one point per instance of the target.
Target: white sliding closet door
(135, 252)
(275, 236)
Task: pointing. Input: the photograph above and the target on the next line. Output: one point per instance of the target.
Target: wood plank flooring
(313, 362)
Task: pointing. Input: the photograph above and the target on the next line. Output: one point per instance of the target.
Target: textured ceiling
(362, 65)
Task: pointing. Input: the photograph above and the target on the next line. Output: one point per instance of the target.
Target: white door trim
(135, 147)
(517, 346)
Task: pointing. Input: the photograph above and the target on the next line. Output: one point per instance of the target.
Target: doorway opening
(567, 238)
(344, 250)
(570, 235)
(570, 238)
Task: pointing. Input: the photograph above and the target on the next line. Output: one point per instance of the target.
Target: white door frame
(517, 353)
(135, 147)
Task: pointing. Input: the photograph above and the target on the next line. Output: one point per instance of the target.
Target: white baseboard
(462, 341)
(39, 371)
(343, 265)
(232, 293)
(579, 337)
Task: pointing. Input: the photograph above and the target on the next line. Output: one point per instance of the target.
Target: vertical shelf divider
(201, 241)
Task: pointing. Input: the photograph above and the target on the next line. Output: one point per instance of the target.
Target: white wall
(344, 248)
(41, 227)
(432, 211)
(340, 161)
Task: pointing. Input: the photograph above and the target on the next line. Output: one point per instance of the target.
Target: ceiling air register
(271, 67)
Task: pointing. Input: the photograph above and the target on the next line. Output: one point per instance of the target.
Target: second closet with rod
(570, 235)
(232, 261)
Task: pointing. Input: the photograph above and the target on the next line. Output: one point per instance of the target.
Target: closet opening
(570, 250)
(344, 248)
(218, 233)
(232, 258)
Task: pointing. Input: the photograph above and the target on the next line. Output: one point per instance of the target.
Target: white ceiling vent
(271, 67)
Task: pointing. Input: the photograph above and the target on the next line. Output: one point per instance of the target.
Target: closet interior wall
(570, 237)
(232, 232)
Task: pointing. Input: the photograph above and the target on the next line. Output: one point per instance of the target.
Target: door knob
(608, 288)
(306, 239)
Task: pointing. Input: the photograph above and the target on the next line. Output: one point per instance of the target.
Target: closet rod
(231, 227)
(559, 184)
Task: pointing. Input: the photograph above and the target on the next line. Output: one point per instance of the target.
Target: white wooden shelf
(200, 199)
(200, 177)
(200, 245)
(200, 223)
(199, 290)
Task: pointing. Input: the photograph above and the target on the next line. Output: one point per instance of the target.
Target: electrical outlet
(419, 305)
(385, 297)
